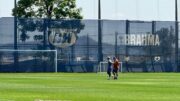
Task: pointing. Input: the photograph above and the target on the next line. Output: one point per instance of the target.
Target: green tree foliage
(53, 13)
(52, 9)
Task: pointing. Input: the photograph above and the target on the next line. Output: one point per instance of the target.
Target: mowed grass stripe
(90, 87)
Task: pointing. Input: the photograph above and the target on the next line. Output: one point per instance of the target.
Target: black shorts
(115, 70)
(109, 71)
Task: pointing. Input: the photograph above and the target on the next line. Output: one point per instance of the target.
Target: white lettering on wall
(139, 40)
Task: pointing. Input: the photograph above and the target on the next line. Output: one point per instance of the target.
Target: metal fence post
(16, 60)
(126, 55)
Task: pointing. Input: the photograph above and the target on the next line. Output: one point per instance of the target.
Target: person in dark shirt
(109, 69)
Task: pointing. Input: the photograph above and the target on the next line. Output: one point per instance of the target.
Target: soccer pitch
(89, 87)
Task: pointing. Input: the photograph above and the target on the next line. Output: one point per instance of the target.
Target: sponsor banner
(62, 38)
(139, 40)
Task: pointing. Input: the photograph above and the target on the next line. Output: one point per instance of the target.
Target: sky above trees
(116, 9)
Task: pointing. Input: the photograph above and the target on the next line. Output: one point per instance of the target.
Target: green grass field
(89, 87)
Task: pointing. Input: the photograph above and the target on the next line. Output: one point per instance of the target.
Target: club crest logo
(62, 38)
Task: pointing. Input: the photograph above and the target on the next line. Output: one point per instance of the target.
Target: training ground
(89, 87)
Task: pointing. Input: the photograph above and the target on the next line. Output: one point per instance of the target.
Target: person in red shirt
(115, 67)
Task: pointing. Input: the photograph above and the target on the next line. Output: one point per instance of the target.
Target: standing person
(115, 67)
(109, 69)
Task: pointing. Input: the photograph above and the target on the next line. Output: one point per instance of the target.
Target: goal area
(28, 60)
(103, 65)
